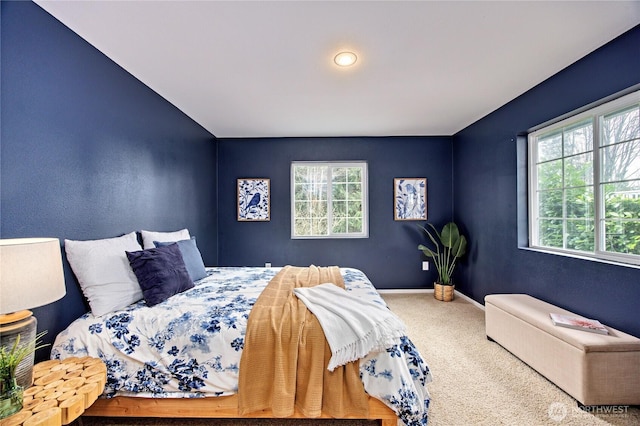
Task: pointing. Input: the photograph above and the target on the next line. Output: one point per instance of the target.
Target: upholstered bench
(595, 369)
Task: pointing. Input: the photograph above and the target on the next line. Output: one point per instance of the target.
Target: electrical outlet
(425, 265)
(267, 265)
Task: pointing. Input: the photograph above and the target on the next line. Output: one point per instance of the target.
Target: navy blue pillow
(161, 272)
(191, 256)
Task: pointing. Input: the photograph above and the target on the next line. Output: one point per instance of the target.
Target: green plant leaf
(427, 251)
(450, 235)
(431, 237)
(10, 358)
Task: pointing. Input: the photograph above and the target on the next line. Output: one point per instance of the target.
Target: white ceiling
(264, 68)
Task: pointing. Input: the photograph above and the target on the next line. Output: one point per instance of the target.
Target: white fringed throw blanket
(353, 327)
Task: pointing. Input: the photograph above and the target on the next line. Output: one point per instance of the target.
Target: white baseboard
(470, 300)
(430, 290)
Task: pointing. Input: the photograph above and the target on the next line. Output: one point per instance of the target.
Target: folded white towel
(353, 327)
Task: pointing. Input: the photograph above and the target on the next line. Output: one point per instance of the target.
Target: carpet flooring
(476, 382)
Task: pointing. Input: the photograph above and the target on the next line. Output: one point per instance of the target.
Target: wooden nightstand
(61, 391)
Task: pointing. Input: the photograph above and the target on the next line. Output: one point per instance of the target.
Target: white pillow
(104, 273)
(148, 237)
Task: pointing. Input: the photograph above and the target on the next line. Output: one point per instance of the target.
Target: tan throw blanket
(285, 356)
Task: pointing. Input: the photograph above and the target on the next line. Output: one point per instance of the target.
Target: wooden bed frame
(213, 407)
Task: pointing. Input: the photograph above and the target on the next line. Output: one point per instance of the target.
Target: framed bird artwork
(254, 200)
(410, 198)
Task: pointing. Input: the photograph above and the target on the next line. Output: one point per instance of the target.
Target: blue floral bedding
(190, 345)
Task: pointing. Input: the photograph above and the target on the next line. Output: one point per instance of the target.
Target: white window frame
(596, 115)
(365, 199)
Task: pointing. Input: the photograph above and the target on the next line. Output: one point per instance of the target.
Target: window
(329, 200)
(584, 186)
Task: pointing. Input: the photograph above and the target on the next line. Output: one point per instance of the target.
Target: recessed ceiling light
(345, 59)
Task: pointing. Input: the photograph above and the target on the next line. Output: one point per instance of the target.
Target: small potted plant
(449, 246)
(10, 358)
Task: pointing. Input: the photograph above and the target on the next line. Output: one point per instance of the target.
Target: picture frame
(254, 200)
(410, 198)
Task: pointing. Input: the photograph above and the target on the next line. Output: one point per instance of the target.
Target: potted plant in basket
(10, 358)
(449, 246)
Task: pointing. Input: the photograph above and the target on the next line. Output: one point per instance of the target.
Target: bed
(181, 357)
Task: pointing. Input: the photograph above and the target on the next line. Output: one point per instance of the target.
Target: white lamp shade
(30, 273)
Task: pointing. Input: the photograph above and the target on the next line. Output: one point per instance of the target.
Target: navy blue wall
(88, 151)
(489, 157)
(389, 256)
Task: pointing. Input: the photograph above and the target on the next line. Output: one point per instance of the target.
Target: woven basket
(443, 292)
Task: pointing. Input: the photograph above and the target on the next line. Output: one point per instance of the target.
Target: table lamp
(30, 276)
